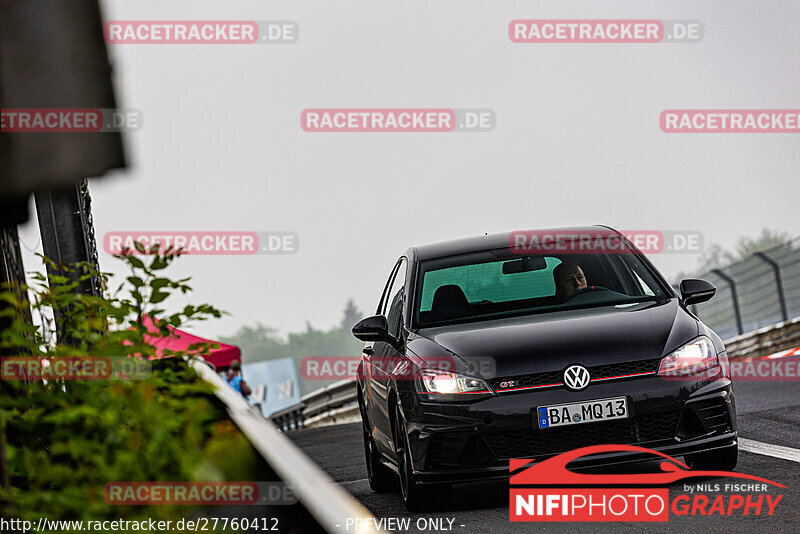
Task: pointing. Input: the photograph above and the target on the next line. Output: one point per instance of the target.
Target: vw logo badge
(576, 377)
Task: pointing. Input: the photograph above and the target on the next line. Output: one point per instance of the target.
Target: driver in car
(569, 279)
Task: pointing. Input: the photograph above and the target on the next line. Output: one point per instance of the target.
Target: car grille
(627, 368)
(657, 427)
(596, 372)
(642, 430)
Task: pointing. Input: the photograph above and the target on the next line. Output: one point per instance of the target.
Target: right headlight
(697, 356)
(443, 385)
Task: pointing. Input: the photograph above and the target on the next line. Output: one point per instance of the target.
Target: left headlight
(693, 358)
(442, 385)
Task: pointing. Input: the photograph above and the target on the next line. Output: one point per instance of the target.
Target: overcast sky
(577, 139)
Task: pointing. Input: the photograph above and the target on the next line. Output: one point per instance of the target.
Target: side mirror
(373, 328)
(694, 291)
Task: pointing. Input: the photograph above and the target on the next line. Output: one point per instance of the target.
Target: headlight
(441, 385)
(691, 359)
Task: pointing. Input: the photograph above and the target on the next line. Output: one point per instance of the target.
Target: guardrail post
(737, 313)
(778, 282)
(290, 418)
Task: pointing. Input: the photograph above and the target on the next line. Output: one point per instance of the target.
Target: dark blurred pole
(734, 298)
(53, 56)
(65, 223)
(12, 273)
(776, 269)
(11, 269)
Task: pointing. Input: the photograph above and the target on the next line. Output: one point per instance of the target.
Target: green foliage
(62, 441)
(350, 316)
(768, 239)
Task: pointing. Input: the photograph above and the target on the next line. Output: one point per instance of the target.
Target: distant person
(569, 279)
(235, 380)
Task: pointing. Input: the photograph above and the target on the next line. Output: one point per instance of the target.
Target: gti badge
(576, 377)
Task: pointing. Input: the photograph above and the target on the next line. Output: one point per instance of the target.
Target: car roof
(479, 243)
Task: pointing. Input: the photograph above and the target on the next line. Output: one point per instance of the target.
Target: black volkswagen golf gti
(481, 351)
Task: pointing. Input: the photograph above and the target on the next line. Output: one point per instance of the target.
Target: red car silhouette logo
(553, 471)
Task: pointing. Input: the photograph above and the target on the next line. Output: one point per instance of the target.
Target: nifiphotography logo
(548, 491)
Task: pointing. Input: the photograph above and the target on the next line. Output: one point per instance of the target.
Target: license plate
(576, 413)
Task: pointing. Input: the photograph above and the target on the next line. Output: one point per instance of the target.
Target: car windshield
(497, 283)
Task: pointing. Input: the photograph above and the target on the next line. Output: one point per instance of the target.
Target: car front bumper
(474, 441)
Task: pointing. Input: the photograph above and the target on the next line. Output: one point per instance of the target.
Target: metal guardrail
(334, 395)
(767, 340)
(336, 416)
(290, 418)
(320, 406)
(760, 290)
(330, 505)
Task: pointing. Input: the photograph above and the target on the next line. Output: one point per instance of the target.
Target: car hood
(552, 341)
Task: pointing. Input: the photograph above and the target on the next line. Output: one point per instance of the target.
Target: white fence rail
(333, 404)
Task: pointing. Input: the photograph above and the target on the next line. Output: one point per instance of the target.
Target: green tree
(768, 239)
(715, 256)
(350, 316)
(258, 343)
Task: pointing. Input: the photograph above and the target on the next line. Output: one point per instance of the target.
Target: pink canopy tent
(179, 340)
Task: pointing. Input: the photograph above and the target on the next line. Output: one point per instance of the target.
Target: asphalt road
(768, 413)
